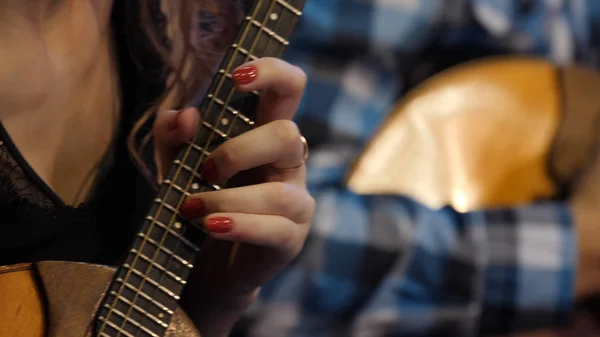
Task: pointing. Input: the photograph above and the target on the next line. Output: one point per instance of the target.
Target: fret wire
(207, 110)
(243, 51)
(268, 31)
(174, 233)
(134, 322)
(147, 297)
(167, 251)
(229, 96)
(290, 7)
(198, 148)
(158, 266)
(220, 114)
(215, 130)
(187, 187)
(254, 43)
(151, 281)
(114, 326)
(214, 98)
(187, 168)
(281, 39)
(162, 203)
(138, 309)
(268, 42)
(195, 174)
(178, 170)
(230, 109)
(176, 187)
(205, 186)
(249, 55)
(266, 48)
(226, 103)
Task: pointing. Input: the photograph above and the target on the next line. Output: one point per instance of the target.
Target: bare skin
(58, 87)
(59, 101)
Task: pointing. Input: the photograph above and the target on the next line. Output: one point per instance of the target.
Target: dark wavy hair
(189, 38)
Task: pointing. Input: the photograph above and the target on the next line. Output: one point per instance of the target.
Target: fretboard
(145, 291)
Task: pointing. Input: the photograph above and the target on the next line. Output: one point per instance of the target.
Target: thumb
(171, 130)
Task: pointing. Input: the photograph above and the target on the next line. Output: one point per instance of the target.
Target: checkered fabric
(388, 266)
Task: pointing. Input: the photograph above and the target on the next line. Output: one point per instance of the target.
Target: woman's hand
(270, 211)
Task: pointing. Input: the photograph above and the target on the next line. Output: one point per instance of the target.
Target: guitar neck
(145, 291)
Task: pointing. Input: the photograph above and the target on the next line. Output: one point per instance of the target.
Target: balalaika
(140, 298)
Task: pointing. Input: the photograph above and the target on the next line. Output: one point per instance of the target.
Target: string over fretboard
(145, 291)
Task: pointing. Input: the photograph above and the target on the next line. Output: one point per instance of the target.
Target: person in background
(388, 266)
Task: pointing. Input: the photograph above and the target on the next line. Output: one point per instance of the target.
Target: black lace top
(36, 225)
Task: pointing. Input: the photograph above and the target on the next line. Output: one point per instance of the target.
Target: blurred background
(453, 158)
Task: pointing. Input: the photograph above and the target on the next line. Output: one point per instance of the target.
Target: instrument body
(495, 132)
(60, 299)
(140, 298)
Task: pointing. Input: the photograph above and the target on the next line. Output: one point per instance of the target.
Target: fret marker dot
(274, 16)
(177, 225)
(161, 315)
(195, 186)
(224, 121)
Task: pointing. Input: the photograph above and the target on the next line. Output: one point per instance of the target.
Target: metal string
(161, 204)
(235, 116)
(202, 154)
(236, 245)
(226, 103)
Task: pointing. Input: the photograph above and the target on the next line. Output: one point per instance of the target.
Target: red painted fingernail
(245, 75)
(192, 209)
(218, 225)
(174, 123)
(209, 171)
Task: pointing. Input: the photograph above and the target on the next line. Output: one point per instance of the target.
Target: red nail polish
(209, 171)
(218, 225)
(245, 75)
(192, 209)
(174, 123)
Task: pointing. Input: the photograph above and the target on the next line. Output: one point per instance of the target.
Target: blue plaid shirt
(388, 266)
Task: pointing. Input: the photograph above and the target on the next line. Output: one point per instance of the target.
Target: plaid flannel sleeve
(388, 266)
(529, 269)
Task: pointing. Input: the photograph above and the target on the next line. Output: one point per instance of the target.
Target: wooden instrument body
(497, 132)
(66, 299)
(60, 299)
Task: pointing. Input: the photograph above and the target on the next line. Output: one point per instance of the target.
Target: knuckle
(295, 76)
(283, 198)
(286, 131)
